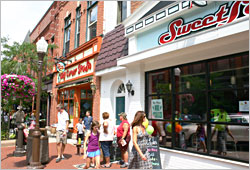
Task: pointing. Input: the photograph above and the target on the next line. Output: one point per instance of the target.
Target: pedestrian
(61, 131)
(106, 138)
(80, 130)
(139, 158)
(93, 151)
(200, 133)
(87, 121)
(222, 138)
(123, 138)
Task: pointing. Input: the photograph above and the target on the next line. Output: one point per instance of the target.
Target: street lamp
(41, 46)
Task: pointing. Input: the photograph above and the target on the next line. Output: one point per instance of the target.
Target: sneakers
(58, 160)
(124, 165)
(62, 158)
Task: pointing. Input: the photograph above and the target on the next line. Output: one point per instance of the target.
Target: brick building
(77, 28)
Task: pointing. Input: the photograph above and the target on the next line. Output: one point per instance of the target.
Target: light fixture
(233, 80)
(93, 87)
(41, 46)
(129, 88)
(177, 71)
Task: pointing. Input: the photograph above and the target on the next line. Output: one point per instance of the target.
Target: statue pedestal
(19, 149)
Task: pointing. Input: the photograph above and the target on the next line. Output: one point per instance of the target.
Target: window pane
(191, 106)
(90, 94)
(65, 105)
(190, 77)
(66, 94)
(83, 94)
(230, 72)
(71, 108)
(159, 82)
(223, 144)
(160, 107)
(92, 31)
(160, 131)
(85, 105)
(72, 93)
(124, 10)
(93, 15)
(191, 136)
(231, 102)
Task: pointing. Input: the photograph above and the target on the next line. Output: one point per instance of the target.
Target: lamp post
(41, 46)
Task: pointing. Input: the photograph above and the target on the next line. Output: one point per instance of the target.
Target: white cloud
(18, 17)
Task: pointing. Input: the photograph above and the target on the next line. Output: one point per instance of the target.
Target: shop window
(72, 92)
(78, 23)
(159, 107)
(159, 82)
(229, 73)
(202, 93)
(86, 102)
(92, 19)
(121, 11)
(190, 77)
(230, 141)
(66, 35)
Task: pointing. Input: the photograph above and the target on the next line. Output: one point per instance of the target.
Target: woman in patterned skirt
(139, 157)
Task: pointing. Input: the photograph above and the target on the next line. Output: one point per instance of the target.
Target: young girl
(200, 133)
(93, 151)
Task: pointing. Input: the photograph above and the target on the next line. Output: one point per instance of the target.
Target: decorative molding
(157, 16)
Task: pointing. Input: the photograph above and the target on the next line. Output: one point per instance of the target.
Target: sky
(18, 17)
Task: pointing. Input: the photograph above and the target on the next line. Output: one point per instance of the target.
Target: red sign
(79, 70)
(224, 15)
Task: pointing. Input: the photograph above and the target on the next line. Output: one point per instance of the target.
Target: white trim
(205, 156)
(198, 38)
(109, 70)
(139, 12)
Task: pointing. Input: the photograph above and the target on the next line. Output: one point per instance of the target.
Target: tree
(19, 59)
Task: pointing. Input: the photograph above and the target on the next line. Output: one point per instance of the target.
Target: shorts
(80, 136)
(122, 148)
(105, 145)
(93, 154)
(202, 139)
(60, 138)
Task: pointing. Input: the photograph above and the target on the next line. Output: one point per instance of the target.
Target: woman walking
(93, 151)
(106, 138)
(123, 138)
(139, 158)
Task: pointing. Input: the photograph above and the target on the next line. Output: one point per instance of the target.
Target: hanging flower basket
(17, 86)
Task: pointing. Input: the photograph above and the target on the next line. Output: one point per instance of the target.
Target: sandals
(106, 166)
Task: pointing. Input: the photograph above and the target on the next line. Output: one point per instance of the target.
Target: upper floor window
(77, 32)
(92, 19)
(66, 35)
(122, 11)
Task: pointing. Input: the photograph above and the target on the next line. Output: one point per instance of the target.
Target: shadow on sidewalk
(67, 156)
(22, 163)
(9, 155)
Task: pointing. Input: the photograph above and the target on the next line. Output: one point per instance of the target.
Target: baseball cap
(124, 115)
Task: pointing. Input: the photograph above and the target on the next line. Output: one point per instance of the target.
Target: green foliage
(18, 59)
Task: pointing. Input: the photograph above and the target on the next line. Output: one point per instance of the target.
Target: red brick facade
(135, 5)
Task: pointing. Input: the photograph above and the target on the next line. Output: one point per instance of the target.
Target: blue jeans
(105, 145)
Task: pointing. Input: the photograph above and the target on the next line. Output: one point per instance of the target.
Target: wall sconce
(93, 87)
(51, 94)
(129, 88)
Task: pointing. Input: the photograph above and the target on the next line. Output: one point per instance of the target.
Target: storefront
(189, 65)
(75, 76)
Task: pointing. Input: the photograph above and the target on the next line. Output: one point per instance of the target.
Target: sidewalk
(8, 161)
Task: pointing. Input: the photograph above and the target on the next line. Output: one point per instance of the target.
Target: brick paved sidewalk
(8, 161)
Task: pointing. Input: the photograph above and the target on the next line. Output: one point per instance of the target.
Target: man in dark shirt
(87, 121)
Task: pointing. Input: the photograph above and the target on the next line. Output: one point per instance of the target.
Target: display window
(206, 102)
